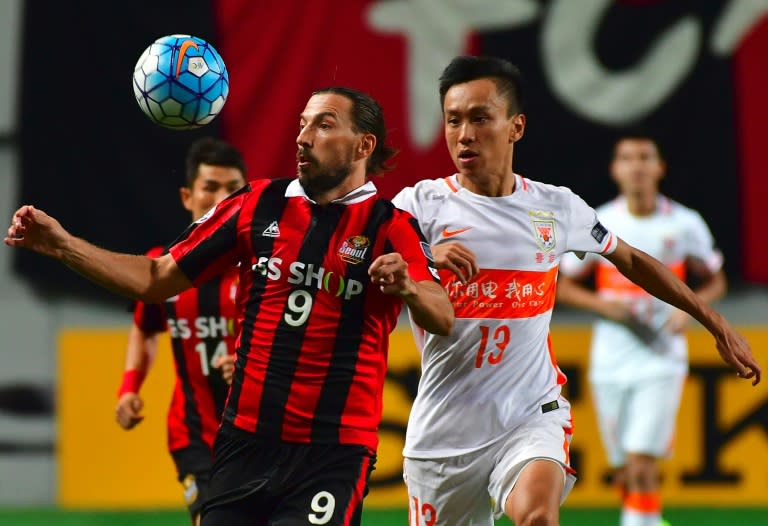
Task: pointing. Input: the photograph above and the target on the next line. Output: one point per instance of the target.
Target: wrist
(409, 290)
(132, 380)
(64, 251)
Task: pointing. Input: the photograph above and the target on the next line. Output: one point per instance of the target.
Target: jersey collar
(358, 195)
(455, 185)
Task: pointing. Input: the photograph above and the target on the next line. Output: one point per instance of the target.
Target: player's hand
(734, 350)
(34, 229)
(128, 411)
(457, 258)
(617, 311)
(227, 365)
(621, 312)
(677, 322)
(390, 273)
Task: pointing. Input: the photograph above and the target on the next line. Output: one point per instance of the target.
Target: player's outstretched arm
(139, 357)
(712, 287)
(428, 302)
(139, 277)
(659, 281)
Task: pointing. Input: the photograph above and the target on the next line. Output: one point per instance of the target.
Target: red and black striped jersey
(312, 351)
(202, 323)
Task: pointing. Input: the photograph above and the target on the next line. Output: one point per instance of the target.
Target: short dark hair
(367, 117)
(216, 152)
(505, 74)
(638, 134)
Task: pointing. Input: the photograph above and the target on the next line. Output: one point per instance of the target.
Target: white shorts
(638, 417)
(471, 489)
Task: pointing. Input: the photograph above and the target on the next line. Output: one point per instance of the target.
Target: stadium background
(73, 142)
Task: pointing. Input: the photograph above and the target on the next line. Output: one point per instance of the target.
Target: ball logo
(180, 61)
(183, 51)
(353, 249)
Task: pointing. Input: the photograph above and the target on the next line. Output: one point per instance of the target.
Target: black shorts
(193, 466)
(258, 483)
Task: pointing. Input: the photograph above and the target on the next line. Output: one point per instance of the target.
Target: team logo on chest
(353, 249)
(544, 233)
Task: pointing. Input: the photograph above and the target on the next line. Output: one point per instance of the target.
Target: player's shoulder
(429, 189)
(669, 205)
(547, 193)
(615, 206)
(254, 188)
(390, 211)
(678, 211)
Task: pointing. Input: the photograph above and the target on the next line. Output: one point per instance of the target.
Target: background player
(202, 325)
(325, 265)
(638, 358)
(488, 419)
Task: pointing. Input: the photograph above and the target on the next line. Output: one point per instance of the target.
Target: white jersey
(497, 368)
(673, 234)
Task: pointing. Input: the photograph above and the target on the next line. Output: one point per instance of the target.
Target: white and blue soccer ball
(180, 82)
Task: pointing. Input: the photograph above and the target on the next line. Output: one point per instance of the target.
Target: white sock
(638, 518)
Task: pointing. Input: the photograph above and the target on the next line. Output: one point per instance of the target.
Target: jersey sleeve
(700, 244)
(585, 233)
(208, 247)
(405, 237)
(406, 200)
(150, 317)
(409, 199)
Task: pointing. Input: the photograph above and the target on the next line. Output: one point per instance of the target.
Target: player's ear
(186, 198)
(517, 130)
(366, 145)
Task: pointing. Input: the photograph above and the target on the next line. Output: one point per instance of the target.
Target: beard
(324, 178)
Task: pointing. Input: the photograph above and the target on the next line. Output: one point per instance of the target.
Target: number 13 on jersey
(493, 343)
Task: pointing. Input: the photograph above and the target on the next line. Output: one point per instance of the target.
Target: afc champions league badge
(353, 249)
(544, 231)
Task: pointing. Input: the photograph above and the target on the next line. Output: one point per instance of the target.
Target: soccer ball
(180, 82)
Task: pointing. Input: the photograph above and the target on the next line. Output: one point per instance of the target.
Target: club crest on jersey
(544, 232)
(353, 249)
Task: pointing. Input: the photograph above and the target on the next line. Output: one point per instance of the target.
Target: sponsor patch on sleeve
(206, 216)
(599, 232)
(427, 251)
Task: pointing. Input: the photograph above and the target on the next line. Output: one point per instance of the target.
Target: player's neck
(353, 182)
(641, 204)
(489, 185)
